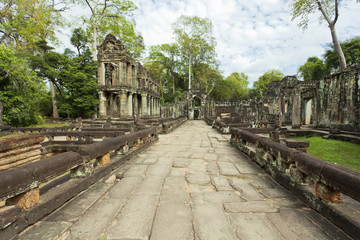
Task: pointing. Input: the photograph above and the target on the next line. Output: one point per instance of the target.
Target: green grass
(342, 153)
(49, 125)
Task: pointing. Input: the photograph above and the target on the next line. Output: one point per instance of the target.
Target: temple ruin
(125, 87)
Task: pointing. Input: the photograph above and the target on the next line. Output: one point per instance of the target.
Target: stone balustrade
(28, 190)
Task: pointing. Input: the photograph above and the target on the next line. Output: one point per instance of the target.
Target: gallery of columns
(125, 87)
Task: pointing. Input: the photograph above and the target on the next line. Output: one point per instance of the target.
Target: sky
(252, 36)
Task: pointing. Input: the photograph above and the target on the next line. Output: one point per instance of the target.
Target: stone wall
(333, 102)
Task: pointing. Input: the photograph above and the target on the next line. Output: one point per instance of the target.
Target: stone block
(25, 200)
(328, 194)
(8, 215)
(291, 143)
(104, 159)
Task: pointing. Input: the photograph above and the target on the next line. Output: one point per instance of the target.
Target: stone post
(102, 104)
(123, 104)
(130, 105)
(136, 105)
(101, 74)
(296, 111)
(144, 111)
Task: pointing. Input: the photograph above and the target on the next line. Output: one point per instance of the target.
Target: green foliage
(313, 69)
(79, 39)
(261, 85)
(115, 17)
(25, 22)
(20, 90)
(339, 152)
(197, 44)
(234, 87)
(351, 48)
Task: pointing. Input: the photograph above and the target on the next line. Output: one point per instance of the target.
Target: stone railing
(313, 180)
(170, 126)
(224, 127)
(28, 190)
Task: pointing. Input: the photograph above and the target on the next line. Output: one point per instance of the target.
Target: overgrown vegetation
(343, 153)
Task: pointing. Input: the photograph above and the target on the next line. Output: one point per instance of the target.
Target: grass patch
(49, 125)
(342, 153)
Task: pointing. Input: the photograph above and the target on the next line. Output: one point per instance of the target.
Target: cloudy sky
(252, 36)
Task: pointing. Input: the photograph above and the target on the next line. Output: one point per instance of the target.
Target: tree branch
(91, 9)
(324, 13)
(336, 11)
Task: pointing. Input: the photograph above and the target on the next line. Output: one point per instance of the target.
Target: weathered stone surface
(124, 188)
(291, 143)
(221, 183)
(25, 200)
(136, 170)
(103, 160)
(199, 178)
(212, 168)
(177, 172)
(211, 222)
(76, 207)
(247, 191)
(247, 207)
(150, 186)
(228, 169)
(254, 226)
(211, 156)
(161, 170)
(8, 215)
(247, 168)
(275, 193)
(48, 230)
(173, 221)
(136, 218)
(174, 191)
(215, 197)
(293, 225)
(95, 222)
(327, 194)
(180, 162)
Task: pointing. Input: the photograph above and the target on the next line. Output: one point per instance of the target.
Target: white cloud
(252, 36)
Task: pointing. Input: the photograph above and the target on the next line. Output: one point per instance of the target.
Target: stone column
(130, 105)
(144, 104)
(123, 104)
(102, 105)
(101, 74)
(148, 110)
(296, 111)
(136, 104)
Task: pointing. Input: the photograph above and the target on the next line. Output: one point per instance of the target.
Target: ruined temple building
(125, 87)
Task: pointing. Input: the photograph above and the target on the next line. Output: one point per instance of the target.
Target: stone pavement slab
(191, 184)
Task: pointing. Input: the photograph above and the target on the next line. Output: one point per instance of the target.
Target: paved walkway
(191, 184)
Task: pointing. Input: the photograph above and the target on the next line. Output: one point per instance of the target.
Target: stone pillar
(130, 105)
(148, 110)
(136, 104)
(296, 111)
(122, 73)
(102, 104)
(101, 74)
(123, 104)
(144, 107)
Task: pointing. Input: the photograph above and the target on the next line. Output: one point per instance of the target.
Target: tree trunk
(55, 113)
(1, 113)
(337, 46)
(190, 72)
(94, 44)
(173, 78)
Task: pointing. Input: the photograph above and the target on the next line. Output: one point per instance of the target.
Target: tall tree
(79, 40)
(261, 85)
(351, 48)
(329, 11)
(115, 17)
(166, 55)
(234, 87)
(195, 38)
(20, 90)
(25, 22)
(313, 69)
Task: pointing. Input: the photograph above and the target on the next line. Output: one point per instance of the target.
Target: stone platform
(191, 184)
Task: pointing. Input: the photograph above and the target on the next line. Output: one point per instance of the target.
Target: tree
(234, 87)
(79, 39)
(20, 90)
(195, 38)
(166, 55)
(115, 17)
(23, 23)
(330, 12)
(351, 48)
(261, 85)
(313, 69)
